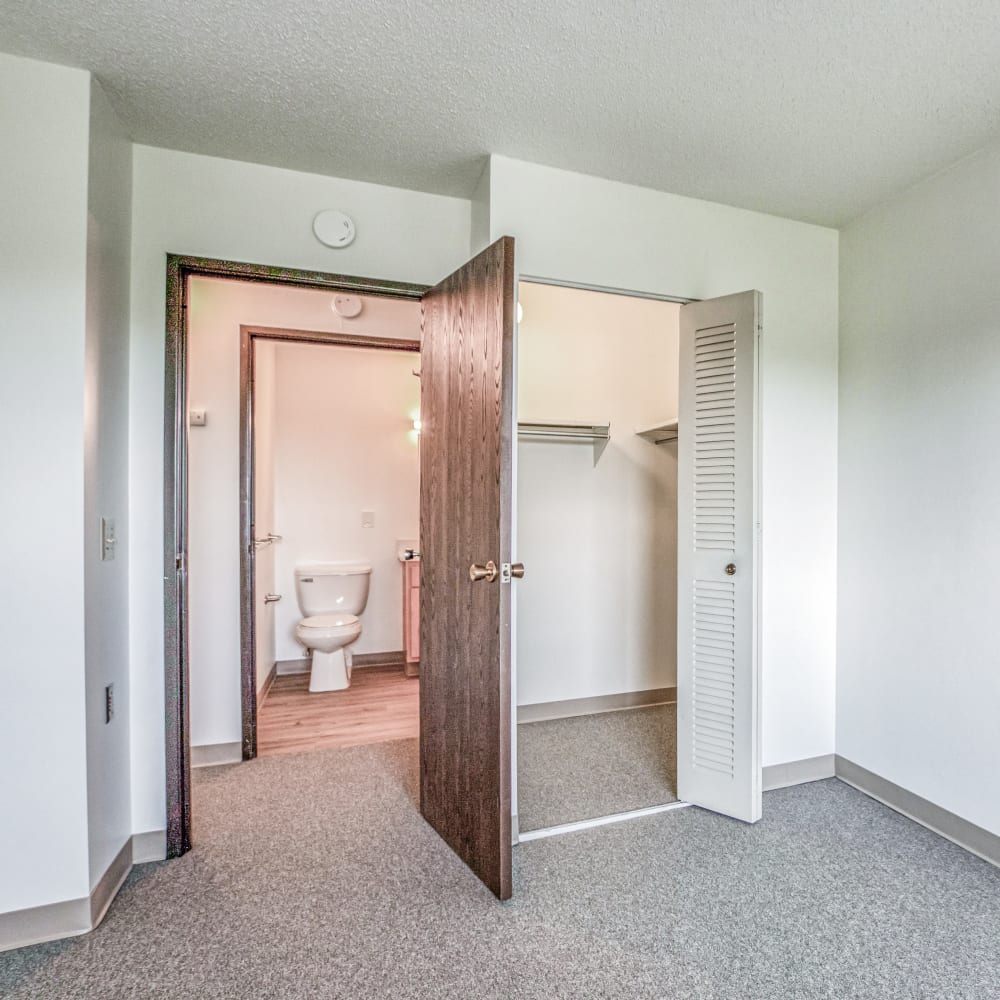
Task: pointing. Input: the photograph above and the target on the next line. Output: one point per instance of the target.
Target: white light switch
(198, 418)
(368, 519)
(108, 540)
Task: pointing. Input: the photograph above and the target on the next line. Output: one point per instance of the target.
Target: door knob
(517, 570)
(731, 569)
(487, 572)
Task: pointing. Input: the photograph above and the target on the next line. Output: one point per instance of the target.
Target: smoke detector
(334, 228)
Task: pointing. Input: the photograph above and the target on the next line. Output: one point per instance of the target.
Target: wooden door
(718, 518)
(466, 412)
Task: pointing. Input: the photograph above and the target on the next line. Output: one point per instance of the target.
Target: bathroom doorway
(466, 386)
(329, 502)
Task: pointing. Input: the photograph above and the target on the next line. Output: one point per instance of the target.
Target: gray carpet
(314, 877)
(595, 765)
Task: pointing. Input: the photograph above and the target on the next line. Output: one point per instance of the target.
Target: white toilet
(331, 596)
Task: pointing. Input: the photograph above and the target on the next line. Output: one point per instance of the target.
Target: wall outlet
(368, 519)
(109, 703)
(108, 540)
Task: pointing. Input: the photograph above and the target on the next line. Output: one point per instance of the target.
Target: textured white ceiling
(814, 110)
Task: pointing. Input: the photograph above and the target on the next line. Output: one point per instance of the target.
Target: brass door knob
(731, 569)
(488, 572)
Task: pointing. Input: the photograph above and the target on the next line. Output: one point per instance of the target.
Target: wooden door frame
(249, 335)
(179, 268)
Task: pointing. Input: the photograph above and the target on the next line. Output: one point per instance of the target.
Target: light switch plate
(108, 540)
(368, 519)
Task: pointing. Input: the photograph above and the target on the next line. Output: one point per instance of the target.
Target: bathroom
(303, 412)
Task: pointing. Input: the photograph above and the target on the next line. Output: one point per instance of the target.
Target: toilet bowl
(331, 597)
(328, 636)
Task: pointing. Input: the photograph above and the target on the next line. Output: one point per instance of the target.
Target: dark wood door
(466, 440)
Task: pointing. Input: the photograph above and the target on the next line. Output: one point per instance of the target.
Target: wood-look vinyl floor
(381, 704)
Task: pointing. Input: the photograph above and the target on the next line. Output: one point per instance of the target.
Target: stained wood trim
(265, 688)
(392, 658)
(330, 337)
(248, 582)
(179, 268)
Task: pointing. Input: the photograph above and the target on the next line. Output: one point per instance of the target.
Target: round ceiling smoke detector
(347, 306)
(334, 228)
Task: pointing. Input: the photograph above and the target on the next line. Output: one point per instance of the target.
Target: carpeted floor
(595, 765)
(314, 877)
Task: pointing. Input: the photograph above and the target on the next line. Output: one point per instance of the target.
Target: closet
(597, 526)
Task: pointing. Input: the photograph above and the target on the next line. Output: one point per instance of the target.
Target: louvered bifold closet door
(718, 725)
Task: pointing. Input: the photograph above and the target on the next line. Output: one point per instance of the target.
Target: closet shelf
(660, 433)
(564, 430)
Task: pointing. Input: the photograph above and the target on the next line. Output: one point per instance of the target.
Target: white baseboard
(545, 710)
(212, 754)
(798, 772)
(973, 838)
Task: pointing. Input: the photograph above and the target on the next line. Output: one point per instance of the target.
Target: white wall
(105, 432)
(184, 203)
(578, 228)
(345, 443)
(216, 310)
(917, 681)
(597, 609)
(44, 118)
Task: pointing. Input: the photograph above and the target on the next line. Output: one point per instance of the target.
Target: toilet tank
(326, 588)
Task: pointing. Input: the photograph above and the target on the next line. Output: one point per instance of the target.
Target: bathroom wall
(217, 308)
(344, 443)
(597, 608)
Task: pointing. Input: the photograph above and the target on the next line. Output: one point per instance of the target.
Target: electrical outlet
(368, 519)
(109, 703)
(108, 540)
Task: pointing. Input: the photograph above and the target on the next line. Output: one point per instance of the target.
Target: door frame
(176, 666)
(249, 335)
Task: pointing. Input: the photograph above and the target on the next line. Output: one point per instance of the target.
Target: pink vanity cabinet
(411, 616)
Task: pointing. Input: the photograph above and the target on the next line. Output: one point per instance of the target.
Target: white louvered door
(718, 715)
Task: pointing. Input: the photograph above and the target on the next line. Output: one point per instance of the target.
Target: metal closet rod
(584, 432)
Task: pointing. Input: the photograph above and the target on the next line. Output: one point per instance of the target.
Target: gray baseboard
(974, 839)
(391, 658)
(515, 830)
(543, 711)
(284, 667)
(149, 846)
(109, 883)
(71, 917)
(212, 754)
(798, 772)
(36, 924)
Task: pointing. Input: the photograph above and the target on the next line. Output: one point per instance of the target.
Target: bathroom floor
(381, 704)
(595, 765)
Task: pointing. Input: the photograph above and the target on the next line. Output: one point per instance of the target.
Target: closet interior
(597, 528)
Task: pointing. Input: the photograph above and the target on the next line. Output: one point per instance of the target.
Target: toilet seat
(337, 624)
